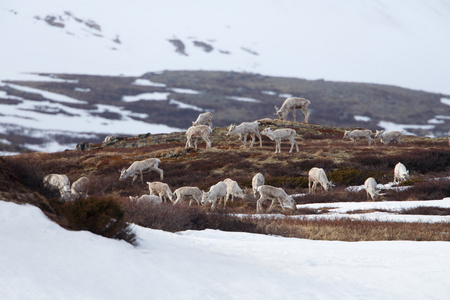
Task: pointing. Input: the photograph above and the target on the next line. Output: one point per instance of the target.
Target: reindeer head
(231, 129)
(123, 174)
(282, 114)
(290, 202)
(378, 133)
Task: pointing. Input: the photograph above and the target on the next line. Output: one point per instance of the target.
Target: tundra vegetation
(107, 210)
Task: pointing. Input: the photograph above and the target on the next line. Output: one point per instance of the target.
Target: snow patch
(156, 96)
(184, 105)
(362, 118)
(146, 82)
(244, 99)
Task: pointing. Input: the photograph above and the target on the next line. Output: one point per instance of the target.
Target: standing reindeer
(291, 104)
(139, 167)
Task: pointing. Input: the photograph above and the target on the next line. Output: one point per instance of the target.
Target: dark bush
(426, 210)
(423, 160)
(307, 164)
(426, 190)
(288, 182)
(166, 217)
(332, 196)
(99, 215)
(350, 176)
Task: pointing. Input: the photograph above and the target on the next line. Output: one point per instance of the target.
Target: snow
(185, 91)
(146, 82)
(445, 101)
(243, 99)
(391, 126)
(184, 105)
(342, 209)
(49, 95)
(41, 260)
(362, 118)
(382, 41)
(155, 96)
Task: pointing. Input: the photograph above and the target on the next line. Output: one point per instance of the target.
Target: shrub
(99, 215)
(426, 210)
(288, 182)
(350, 176)
(307, 164)
(423, 160)
(166, 217)
(426, 190)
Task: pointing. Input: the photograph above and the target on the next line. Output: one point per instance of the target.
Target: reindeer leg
(273, 202)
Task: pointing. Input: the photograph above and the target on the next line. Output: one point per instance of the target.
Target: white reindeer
(400, 173)
(317, 175)
(80, 188)
(60, 182)
(245, 129)
(257, 181)
(139, 167)
(387, 137)
(268, 192)
(233, 190)
(279, 134)
(147, 198)
(371, 188)
(216, 192)
(192, 193)
(291, 104)
(357, 134)
(196, 132)
(160, 189)
(203, 118)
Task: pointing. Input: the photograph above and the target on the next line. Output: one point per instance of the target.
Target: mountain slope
(62, 110)
(386, 42)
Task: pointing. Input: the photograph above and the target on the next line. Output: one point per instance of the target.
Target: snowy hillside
(402, 43)
(41, 260)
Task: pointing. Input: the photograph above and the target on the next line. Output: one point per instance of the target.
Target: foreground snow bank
(41, 260)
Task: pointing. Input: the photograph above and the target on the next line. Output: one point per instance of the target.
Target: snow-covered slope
(40, 260)
(402, 43)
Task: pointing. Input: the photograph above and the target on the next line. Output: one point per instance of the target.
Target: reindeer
(279, 134)
(196, 132)
(291, 104)
(139, 167)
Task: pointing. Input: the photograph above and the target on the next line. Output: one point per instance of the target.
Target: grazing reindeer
(216, 192)
(268, 192)
(387, 137)
(203, 118)
(257, 180)
(245, 129)
(317, 175)
(147, 198)
(233, 190)
(196, 132)
(192, 193)
(371, 188)
(279, 134)
(160, 189)
(400, 173)
(60, 182)
(139, 167)
(291, 104)
(80, 188)
(357, 134)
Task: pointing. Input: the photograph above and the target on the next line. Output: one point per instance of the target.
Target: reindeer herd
(228, 189)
